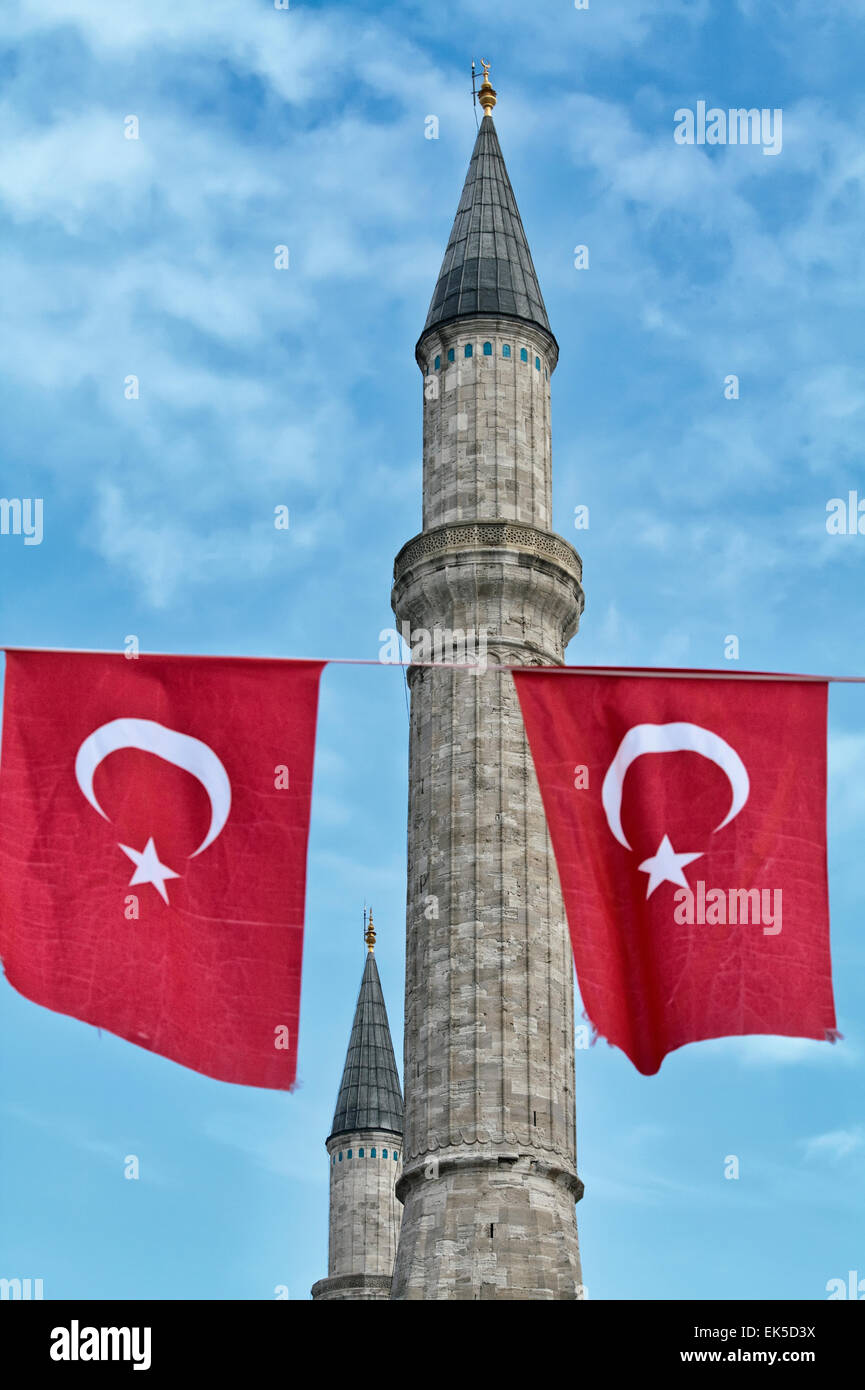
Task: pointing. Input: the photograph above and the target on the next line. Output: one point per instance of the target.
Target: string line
(479, 668)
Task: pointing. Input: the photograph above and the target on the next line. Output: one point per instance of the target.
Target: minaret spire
(487, 266)
(369, 1095)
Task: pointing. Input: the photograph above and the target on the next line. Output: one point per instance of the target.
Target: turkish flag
(688, 820)
(154, 818)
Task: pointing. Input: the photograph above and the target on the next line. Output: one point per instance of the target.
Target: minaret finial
(486, 95)
(369, 934)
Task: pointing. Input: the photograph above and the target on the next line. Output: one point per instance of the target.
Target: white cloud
(838, 1144)
(771, 1051)
(562, 36)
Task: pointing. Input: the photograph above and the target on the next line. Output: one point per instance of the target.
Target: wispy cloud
(771, 1051)
(834, 1146)
(269, 1144)
(72, 1132)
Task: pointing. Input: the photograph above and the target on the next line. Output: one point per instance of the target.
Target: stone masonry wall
(365, 1216)
(487, 423)
(490, 1179)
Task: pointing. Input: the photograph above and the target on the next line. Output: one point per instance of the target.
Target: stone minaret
(364, 1148)
(489, 1180)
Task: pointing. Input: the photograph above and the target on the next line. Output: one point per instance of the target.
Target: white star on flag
(148, 868)
(666, 867)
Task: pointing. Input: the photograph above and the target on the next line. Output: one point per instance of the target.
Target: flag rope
(673, 672)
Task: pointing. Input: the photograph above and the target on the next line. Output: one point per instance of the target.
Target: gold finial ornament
(369, 934)
(486, 95)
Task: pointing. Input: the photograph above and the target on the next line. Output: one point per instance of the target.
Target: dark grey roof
(370, 1095)
(487, 267)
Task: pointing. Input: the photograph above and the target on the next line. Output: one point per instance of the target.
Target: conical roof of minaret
(487, 267)
(369, 1096)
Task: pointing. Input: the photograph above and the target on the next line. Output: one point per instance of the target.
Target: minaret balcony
(521, 584)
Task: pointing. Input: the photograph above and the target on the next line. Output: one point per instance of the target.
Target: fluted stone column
(489, 1177)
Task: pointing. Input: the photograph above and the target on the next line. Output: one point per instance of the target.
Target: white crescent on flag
(671, 738)
(180, 749)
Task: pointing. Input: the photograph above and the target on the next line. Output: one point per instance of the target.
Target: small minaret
(365, 1153)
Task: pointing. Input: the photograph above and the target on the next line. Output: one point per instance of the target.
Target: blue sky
(155, 258)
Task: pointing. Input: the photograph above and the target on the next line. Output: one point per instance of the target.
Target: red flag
(694, 882)
(154, 818)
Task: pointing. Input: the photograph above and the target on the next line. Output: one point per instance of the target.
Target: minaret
(489, 1176)
(365, 1148)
